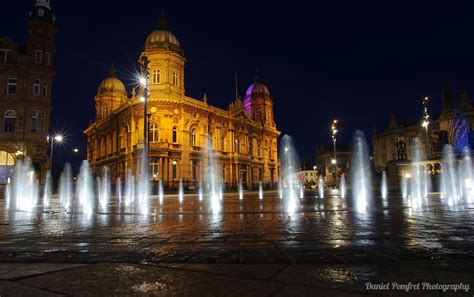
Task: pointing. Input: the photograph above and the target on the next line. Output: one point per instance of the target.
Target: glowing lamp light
(142, 99)
(75, 150)
(58, 138)
(333, 161)
(142, 81)
(407, 175)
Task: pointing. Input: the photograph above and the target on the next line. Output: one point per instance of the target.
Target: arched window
(153, 133)
(194, 137)
(175, 135)
(237, 146)
(9, 121)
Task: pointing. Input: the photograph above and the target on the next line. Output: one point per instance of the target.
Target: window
(174, 169)
(237, 146)
(36, 87)
(11, 86)
(156, 76)
(259, 148)
(176, 78)
(38, 56)
(175, 135)
(223, 143)
(105, 111)
(154, 167)
(194, 169)
(7, 164)
(34, 121)
(153, 133)
(9, 121)
(45, 89)
(258, 115)
(43, 122)
(5, 56)
(47, 58)
(194, 137)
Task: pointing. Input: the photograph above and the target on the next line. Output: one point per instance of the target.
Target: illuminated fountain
(213, 178)
(241, 191)
(383, 186)
(65, 187)
(360, 173)
(343, 186)
(25, 190)
(85, 188)
(129, 191)
(260, 190)
(118, 190)
(467, 179)
(449, 178)
(104, 189)
(48, 189)
(181, 191)
(289, 165)
(160, 191)
(321, 187)
(200, 193)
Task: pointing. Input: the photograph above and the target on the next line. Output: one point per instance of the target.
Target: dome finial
(163, 24)
(258, 78)
(44, 3)
(112, 71)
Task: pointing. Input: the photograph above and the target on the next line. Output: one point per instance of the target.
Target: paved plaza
(252, 247)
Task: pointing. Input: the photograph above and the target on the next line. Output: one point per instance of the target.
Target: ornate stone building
(394, 147)
(26, 75)
(243, 136)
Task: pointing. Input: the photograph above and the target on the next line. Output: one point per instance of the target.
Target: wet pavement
(252, 247)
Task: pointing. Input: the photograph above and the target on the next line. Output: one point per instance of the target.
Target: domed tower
(41, 33)
(110, 95)
(166, 61)
(258, 103)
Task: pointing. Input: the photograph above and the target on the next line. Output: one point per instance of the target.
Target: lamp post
(144, 99)
(334, 161)
(52, 139)
(425, 123)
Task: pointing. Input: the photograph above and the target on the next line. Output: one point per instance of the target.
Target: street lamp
(53, 139)
(144, 98)
(425, 123)
(334, 161)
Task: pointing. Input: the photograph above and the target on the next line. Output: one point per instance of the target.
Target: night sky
(354, 60)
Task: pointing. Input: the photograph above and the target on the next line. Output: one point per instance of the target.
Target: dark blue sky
(355, 60)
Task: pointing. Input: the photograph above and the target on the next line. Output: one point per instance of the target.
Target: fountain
(104, 189)
(343, 186)
(301, 191)
(241, 191)
(65, 187)
(289, 165)
(214, 190)
(84, 189)
(25, 190)
(280, 189)
(160, 191)
(143, 184)
(181, 191)
(360, 173)
(48, 189)
(321, 187)
(118, 190)
(449, 178)
(129, 188)
(383, 185)
(260, 190)
(467, 179)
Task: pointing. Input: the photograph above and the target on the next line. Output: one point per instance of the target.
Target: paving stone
(18, 270)
(139, 280)
(8, 288)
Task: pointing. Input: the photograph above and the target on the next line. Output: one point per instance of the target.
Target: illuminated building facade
(26, 76)
(243, 137)
(394, 148)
